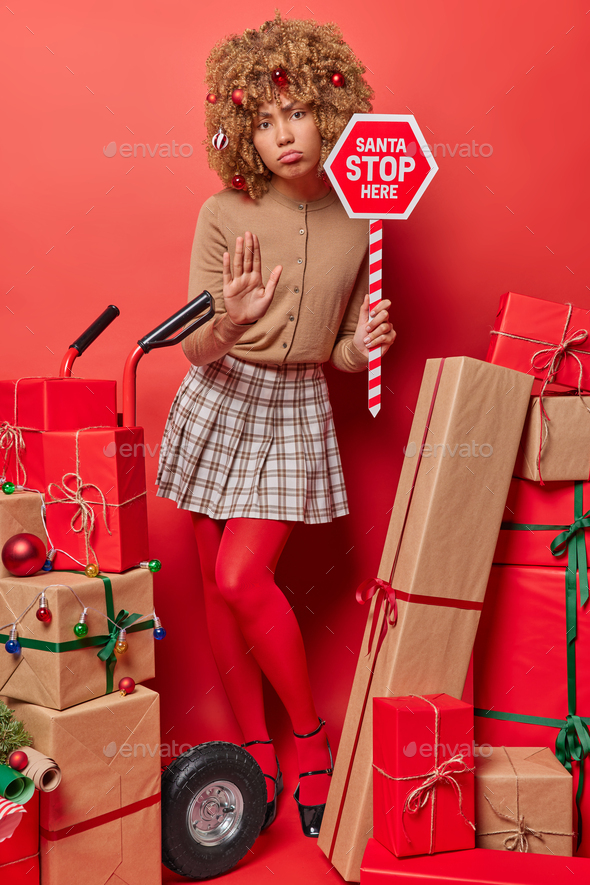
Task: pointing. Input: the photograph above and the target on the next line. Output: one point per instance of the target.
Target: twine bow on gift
(84, 518)
(517, 838)
(11, 437)
(549, 360)
(442, 773)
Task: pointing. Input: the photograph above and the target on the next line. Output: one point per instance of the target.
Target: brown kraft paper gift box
(523, 801)
(62, 679)
(20, 512)
(566, 452)
(449, 536)
(102, 824)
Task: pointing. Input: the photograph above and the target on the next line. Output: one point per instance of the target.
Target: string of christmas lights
(43, 614)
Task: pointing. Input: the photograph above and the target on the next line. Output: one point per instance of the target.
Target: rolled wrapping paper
(15, 785)
(43, 771)
(10, 817)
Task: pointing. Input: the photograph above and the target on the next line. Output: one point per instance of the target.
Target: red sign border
(382, 118)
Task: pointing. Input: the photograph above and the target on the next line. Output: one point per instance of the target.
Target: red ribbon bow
(386, 599)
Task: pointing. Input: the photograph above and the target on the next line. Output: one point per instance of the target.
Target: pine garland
(13, 734)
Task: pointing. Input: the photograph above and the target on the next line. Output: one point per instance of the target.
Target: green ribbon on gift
(573, 740)
(123, 621)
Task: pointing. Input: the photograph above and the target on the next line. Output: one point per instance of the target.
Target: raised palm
(245, 296)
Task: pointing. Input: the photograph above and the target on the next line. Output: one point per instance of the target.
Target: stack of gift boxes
(421, 789)
(74, 479)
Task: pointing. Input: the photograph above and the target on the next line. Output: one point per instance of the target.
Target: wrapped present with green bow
(532, 650)
(97, 631)
(531, 657)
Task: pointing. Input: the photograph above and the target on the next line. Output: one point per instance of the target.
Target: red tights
(251, 628)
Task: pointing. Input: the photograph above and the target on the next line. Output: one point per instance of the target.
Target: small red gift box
(423, 774)
(96, 497)
(31, 405)
(535, 516)
(541, 338)
(480, 866)
(19, 855)
(58, 403)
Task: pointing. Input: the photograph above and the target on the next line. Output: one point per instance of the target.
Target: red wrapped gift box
(535, 516)
(110, 465)
(530, 332)
(529, 681)
(31, 405)
(479, 866)
(415, 811)
(58, 403)
(19, 855)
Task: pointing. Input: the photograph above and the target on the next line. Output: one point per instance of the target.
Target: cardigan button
(296, 289)
(284, 343)
(291, 318)
(300, 206)
(301, 231)
(299, 260)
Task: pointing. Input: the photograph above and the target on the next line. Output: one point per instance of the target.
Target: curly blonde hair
(309, 53)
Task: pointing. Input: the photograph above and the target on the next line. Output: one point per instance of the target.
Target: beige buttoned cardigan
(314, 312)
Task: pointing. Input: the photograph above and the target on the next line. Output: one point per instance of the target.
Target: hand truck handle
(159, 337)
(86, 339)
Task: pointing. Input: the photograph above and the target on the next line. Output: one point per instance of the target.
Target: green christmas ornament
(81, 630)
(8, 488)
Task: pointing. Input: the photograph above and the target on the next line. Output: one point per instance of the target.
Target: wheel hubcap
(215, 812)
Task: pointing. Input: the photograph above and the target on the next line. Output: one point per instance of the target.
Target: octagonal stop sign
(381, 166)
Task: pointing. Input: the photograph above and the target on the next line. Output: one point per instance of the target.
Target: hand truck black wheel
(213, 808)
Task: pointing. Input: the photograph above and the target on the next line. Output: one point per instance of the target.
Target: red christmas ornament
(337, 79)
(24, 555)
(18, 760)
(237, 96)
(239, 182)
(279, 78)
(211, 98)
(43, 614)
(126, 685)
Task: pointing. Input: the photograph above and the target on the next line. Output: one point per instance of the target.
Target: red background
(81, 231)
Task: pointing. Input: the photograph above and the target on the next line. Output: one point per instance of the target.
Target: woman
(249, 447)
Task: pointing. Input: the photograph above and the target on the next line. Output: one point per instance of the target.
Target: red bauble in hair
(337, 79)
(237, 96)
(239, 182)
(211, 98)
(24, 555)
(279, 78)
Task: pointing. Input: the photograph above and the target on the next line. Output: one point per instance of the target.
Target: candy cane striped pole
(375, 252)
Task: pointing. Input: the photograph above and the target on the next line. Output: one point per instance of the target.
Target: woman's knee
(229, 581)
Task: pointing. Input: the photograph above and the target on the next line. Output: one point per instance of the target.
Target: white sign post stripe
(375, 275)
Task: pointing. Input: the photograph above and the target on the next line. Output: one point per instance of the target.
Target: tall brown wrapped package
(54, 668)
(102, 824)
(445, 522)
(20, 512)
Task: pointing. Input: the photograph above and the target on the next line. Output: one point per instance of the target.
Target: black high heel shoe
(311, 815)
(271, 807)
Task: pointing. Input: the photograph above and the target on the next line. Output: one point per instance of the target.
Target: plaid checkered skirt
(254, 440)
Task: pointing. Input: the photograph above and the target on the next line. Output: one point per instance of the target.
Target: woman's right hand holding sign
(245, 296)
